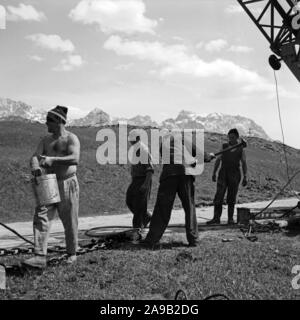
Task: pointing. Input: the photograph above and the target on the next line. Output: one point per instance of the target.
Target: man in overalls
(229, 177)
(173, 180)
(139, 190)
(57, 153)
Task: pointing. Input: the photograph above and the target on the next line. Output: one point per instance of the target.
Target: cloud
(124, 67)
(2, 18)
(51, 42)
(200, 45)
(55, 43)
(240, 49)
(175, 59)
(70, 63)
(234, 8)
(36, 58)
(237, 9)
(216, 45)
(177, 38)
(219, 44)
(127, 16)
(24, 13)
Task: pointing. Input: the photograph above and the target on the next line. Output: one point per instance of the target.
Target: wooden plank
(270, 213)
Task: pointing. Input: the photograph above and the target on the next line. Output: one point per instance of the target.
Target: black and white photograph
(149, 153)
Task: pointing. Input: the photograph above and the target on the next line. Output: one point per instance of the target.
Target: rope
(16, 233)
(282, 131)
(21, 237)
(278, 194)
(281, 125)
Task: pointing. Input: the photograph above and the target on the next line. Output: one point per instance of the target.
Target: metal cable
(278, 194)
(282, 131)
(16, 233)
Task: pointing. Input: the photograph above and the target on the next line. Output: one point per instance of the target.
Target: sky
(147, 57)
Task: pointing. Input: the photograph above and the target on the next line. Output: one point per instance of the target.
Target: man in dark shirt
(173, 180)
(138, 192)
(229, 177)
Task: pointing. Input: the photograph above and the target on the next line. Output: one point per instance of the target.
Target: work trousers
(68, 213)
(170, 186)
(227, 181)
(137, 202)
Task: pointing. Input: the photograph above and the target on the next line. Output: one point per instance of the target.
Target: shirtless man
(58, 154)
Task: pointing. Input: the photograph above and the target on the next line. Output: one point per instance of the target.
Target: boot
(71, 259)
(136, 236)
(217, 215)
(230, 213)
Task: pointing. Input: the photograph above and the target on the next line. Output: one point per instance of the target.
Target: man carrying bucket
(57, 153)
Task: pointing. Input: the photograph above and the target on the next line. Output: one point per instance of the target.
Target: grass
(103, 187)
(240, 269)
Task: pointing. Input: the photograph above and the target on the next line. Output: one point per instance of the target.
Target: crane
(279, 22)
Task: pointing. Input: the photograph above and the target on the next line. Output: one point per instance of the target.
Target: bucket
(243, 216)
(46, 189)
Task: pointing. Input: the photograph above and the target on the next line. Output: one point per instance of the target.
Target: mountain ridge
(213, 122)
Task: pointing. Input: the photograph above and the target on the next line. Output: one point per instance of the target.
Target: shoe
(148, 245)
(71, 259)
(230, 222)
(136, 237)
(38, 262)
(213, 221)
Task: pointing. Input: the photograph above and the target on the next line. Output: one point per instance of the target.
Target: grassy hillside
(103, 188)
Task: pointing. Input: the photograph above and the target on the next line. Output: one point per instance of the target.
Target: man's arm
(71, 159)
(207, 156)
(34, 160)
(216, 167)
(244, 168)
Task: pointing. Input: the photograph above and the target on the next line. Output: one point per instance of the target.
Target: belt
(67, 177)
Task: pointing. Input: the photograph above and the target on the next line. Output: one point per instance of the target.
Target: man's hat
(60, 112)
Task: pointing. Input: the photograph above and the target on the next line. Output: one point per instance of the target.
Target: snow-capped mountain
(95, 118)
(221, 123)
(184, 120)
(217, 122)
(142, 121)
(214, 122)
(10, 108)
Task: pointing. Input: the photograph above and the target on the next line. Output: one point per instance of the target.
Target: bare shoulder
(72, 138)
